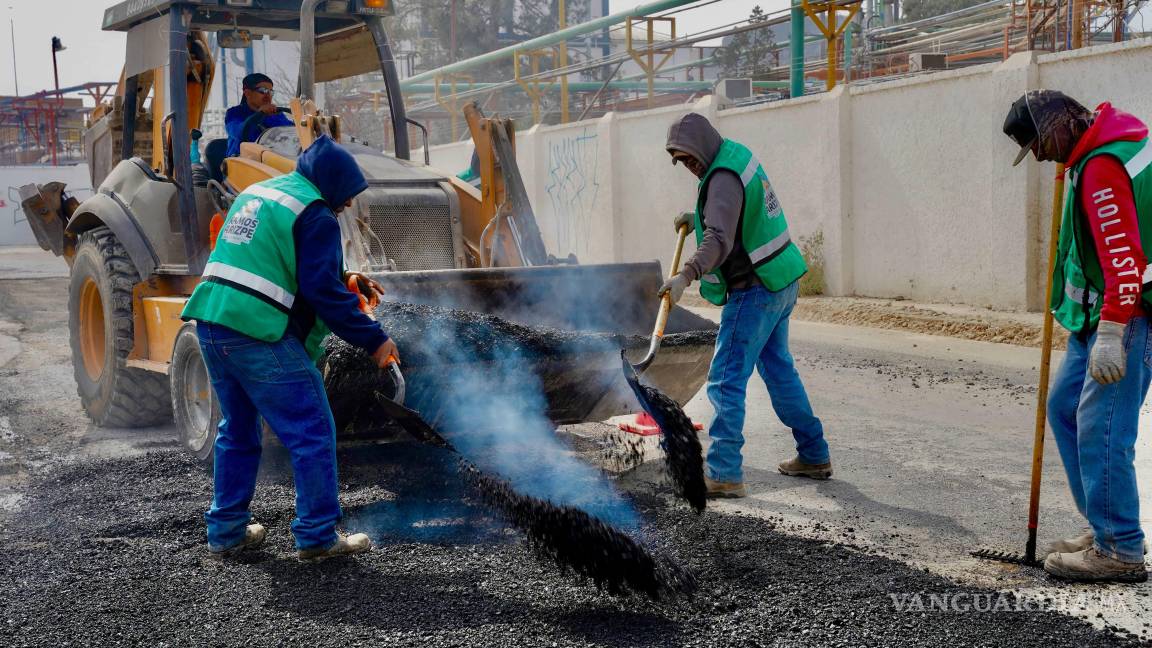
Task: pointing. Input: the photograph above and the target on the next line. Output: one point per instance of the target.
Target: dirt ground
(963, 322)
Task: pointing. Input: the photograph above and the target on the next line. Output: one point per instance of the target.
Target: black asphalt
(111, 552)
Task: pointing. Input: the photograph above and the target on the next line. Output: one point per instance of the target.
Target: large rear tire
(100, 330)
(194, 405)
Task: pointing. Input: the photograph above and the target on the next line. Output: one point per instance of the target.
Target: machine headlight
(375, 7)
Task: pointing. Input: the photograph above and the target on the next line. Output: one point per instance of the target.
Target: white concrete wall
(14, 228)
(910, 181)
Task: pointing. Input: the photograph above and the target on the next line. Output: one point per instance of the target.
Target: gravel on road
(111, 552)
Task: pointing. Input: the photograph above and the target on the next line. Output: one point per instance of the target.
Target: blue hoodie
(319, 255)
(234, 123)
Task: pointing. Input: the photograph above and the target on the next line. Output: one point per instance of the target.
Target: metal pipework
(796, 45)
(548, 40)
(646, 58)
(403, 148)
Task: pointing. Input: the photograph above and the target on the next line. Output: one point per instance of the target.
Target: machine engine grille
(415, 237)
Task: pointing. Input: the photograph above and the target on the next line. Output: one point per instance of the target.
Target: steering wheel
(257, 119)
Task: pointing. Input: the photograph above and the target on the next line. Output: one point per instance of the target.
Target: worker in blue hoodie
(241, 121)
(272, 290)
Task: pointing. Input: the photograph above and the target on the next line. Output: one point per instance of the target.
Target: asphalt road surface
(101, 540)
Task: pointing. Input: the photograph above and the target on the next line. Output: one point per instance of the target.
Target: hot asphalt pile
(111, 552)
(684, 456)
(579, 542)
(570, 537)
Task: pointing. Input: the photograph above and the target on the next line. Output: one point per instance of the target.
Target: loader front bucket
(582, 381)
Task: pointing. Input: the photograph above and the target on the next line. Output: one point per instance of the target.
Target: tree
(425, 28)
(750, 53)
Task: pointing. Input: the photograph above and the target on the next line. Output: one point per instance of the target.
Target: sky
(94, 55)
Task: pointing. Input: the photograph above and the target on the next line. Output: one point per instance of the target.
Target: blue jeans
(1095, 427)
(754, 334)
(279, 382)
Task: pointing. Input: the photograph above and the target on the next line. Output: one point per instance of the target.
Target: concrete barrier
(910, 182)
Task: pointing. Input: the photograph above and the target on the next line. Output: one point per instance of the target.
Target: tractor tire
(100, 332)
(194, 405)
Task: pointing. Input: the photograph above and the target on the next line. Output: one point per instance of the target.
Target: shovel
(406, 418)
(665, 308)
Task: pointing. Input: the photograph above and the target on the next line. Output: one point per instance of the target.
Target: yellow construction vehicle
(138, 246)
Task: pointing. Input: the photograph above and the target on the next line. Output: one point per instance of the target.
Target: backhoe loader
(138, 246)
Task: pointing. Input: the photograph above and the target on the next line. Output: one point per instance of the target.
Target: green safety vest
(1078, 281)
(764, 231)
(249, 283)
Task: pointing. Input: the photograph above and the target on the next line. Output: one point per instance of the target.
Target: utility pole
(12, 31)
(452, 36)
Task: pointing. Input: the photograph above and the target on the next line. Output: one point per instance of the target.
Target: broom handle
(1045, 371)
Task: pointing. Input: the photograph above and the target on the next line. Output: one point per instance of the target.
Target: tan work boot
(1079, 543)
(796, 468)
(719, 489)
(254, 536)
(344, 546)
(1072, 545)
(1091, 566)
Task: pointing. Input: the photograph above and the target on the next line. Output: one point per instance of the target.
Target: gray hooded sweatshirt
(722, 209)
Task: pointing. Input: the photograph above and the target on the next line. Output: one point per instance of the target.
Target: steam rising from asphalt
(495, 416)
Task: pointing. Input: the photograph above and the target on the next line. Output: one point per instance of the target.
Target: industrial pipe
(539, 42)
(592, 86)
(796, 45)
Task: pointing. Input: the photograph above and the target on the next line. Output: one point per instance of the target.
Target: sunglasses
(268, 92)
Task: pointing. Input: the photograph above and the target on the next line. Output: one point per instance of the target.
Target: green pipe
(709, 60)
(546, 40)
(796, 72)
(592, 86)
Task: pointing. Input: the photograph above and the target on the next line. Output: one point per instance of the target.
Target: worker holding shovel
(1100, 294)
(747, 263)
(272, 290)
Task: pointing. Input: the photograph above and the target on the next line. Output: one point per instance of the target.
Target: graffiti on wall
(572, 187)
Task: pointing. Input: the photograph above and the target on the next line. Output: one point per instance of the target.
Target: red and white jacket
(1106, 190)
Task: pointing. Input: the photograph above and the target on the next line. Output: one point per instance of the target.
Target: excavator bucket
(617, 301)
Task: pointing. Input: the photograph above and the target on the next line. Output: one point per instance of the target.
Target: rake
(1028, 558)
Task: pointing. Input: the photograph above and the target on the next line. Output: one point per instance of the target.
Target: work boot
(720, 489)
(344, 546)
(1091, 566)
(1079, 543)
(797, 468)
(1072, 545)
(254, 536)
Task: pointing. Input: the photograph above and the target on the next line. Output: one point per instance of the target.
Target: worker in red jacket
(1100, 294)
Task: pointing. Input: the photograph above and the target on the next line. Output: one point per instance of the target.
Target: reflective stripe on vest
(749, 171)
(1077, 294)
(710, 278)
(769, 250)
(263, 288)
(1140, 161)
(276, 196)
